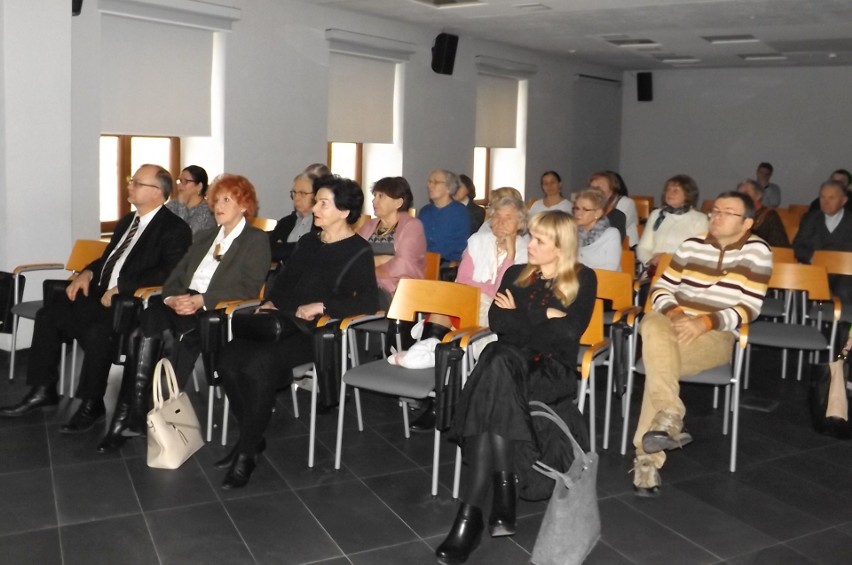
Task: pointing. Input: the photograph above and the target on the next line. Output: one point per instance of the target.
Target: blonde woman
(540, 311)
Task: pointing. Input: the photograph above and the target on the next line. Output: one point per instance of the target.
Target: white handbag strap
(163, 365)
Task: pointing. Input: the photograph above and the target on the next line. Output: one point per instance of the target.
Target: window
(346, 160)
(120, 156)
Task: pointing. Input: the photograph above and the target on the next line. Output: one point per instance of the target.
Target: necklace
(384, 232)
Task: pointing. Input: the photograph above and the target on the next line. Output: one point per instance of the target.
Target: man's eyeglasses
(293, 193)
(723, 214)
(133, 182)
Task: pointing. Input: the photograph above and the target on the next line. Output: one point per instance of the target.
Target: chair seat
(719, 376)
(27, 310)
(772, 307)
(392, 379)
(600, 356)
(786, 336)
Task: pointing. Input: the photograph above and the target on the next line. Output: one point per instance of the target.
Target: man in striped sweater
(714, 284)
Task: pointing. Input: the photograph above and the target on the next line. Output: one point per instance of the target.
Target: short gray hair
(451, 179)
(509, 202)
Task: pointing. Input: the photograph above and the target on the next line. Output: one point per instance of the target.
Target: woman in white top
(600, 244)
(670, 225)
(608, 183)
(551, 186)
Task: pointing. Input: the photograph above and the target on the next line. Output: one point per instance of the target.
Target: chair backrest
(799, 209)
(790, 221)
(265, 224)
(412, 212)
(433, 266)
(437, 297)
(628, 261)
(662, 265)
(707, 205)
(595, 330)
(783, 255)
(835, 262)
(812, 279)
(616, 287)
(84, 252)
(644, 205)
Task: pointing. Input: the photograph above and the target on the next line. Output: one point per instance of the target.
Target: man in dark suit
(829, 228)
(146, 246)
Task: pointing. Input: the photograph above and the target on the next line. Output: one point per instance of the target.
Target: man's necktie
(113, 259)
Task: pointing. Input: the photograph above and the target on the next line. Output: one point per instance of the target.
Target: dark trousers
(157, 318)
(86, 320)
(252, 372)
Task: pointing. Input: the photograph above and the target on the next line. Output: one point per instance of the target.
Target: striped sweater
(725, 285)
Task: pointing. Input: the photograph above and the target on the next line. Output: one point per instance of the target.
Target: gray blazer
(240, 275)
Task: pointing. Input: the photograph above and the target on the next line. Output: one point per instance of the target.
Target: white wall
(717, 125)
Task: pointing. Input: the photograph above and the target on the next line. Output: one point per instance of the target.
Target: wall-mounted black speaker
(644, 87)
(444, 53)
(76, 7)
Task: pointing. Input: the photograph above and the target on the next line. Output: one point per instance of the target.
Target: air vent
(448, 3)
(629, 43)
(763, 57)
(677, 59)
(730, 39)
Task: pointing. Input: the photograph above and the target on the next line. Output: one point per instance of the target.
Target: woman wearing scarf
(490, 252)
(600, 244)
(669, 226)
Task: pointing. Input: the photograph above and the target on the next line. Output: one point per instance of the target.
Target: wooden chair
(83, 252)
(783, 255)
(617, 288)
(594, 345)
(644, 205)
(265, 224)
(790, 221)
(812, 280)
(799, 209)
(433, 266)
(412, 296)
(835, 263)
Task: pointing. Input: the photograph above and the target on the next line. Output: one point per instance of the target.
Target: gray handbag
(572, 523)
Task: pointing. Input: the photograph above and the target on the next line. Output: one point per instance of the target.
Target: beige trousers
(666, 361)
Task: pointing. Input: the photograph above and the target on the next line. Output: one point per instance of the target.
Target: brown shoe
(646, 478)
(666, 433)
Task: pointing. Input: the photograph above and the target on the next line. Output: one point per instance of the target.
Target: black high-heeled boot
(501, 522)
(463, 538)
(149, 351)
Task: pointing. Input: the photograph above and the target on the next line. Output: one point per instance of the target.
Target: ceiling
(793, 32)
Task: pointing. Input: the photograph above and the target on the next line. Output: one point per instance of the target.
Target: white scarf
(482, 248)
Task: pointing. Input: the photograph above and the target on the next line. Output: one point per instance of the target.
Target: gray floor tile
(117, 540)
(94, 491)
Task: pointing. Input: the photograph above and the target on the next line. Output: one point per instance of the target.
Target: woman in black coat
(329, 273)
(539, 314)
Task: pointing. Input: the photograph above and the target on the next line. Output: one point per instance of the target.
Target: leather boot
(113, 438)
(148, 352)
(463, 538)
(501, 522)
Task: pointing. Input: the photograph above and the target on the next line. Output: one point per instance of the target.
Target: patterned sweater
(725, 285)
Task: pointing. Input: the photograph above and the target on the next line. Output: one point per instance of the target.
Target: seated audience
(767, 222)
(445, 221)
(713, 284)
(300, 221)
(551, 186)
(829, 228)
(143, 250)
(329, 273)
(225, 263)
(771, 191)
(466, 194)
(489, 254)
(190, 203)
(600, 244)
(618, 204)
(397, 239)
(539, 313)
(669, 226)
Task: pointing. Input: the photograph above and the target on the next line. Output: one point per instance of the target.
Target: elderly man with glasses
(146, 246)
(715, 283)
(290, 228)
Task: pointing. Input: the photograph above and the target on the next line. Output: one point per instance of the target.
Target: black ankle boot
(148, 352)
(434, 330)
(425, 422)
(501, 522)
(463, 538)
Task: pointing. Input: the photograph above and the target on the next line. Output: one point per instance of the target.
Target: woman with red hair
(229, 262)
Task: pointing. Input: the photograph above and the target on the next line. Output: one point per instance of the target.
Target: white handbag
(174, 433)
